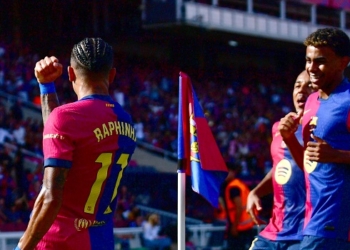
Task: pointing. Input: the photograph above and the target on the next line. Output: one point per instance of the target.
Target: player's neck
(83, 89)
(327, 89)
(92, 91)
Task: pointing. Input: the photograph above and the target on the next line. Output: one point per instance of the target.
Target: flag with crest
(198, 152)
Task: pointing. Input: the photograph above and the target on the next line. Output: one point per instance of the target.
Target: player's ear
(71, 74)
(111, 75)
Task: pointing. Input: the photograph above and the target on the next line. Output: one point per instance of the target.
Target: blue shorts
(261, 243)
(319, 243)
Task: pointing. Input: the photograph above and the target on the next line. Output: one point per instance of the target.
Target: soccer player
(286, 181)
(87, 145)
(325, 157)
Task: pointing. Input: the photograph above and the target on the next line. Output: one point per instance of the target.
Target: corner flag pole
(181, 228)
(183, 159)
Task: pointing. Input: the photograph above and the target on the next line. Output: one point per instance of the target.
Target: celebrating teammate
(286, 181)
(325, 157)
(87, 145)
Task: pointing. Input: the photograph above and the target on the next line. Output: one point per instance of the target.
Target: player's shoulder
(313, 96)
(63, 112)
(64, 108)
(345, 89)
(275, 127)
(121, 113)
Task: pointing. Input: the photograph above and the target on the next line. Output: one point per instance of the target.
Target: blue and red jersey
(328, 184)
(286, 222)
(93, 137)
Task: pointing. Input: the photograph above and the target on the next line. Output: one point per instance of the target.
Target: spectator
(233, 199)
(152, 235)
(5, 136)
(19, 133)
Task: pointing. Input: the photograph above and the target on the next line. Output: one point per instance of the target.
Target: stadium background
(243, 89)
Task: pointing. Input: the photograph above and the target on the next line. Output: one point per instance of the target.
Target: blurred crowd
(240, 105)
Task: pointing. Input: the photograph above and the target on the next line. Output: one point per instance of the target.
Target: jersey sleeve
(57, 142)
(275, 129)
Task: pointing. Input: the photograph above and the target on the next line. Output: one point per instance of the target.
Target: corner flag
(198, 152)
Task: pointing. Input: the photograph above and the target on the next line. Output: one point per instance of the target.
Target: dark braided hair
(334, 38)
(93, 55)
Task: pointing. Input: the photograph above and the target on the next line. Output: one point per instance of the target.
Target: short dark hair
(93, 55)
(334, 38)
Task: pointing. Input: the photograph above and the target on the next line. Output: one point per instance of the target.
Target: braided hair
(93, 55)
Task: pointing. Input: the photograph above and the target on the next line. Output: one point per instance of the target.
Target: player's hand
(48, 69)
(320, 151)
(289, 124)
(253, 203)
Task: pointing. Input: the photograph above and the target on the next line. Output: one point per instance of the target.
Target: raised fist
(47, 70)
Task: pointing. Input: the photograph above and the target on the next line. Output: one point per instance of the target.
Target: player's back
(94, 137)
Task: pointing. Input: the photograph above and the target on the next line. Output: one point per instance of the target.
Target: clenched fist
(48, 69)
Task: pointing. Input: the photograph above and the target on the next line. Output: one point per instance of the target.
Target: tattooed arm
(49, 200)
(46, 207)
(48, 103)
(46, 72)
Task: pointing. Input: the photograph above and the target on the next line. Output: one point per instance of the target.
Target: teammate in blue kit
(325, 157)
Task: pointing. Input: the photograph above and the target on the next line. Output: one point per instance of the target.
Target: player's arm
(320, 151)
(264, 187)
(48, 103)
(46, 207)
(287, 127)
(46, 71)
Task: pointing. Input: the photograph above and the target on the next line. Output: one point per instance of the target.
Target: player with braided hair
(93, 55)
(87, 145)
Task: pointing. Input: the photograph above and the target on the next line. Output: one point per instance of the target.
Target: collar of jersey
(95, 96)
